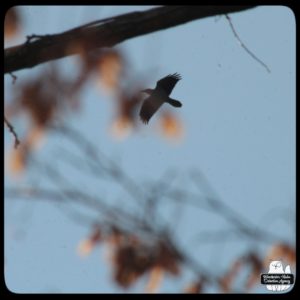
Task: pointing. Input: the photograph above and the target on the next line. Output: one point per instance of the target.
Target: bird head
(147, 91)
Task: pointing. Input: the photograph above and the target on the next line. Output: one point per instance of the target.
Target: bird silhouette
(158, 96)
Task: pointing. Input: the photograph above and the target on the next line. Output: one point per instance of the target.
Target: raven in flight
(159, 96)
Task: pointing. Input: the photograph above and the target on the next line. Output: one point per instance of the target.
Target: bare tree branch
(14, 78)
(12, 130)
(105, 33)
(245, 47)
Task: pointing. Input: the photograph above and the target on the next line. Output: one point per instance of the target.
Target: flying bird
(159, 96)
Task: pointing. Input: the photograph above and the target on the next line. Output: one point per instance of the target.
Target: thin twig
(244, 46)
(12, 130)
(14, 77)
(244, 226)
(111, 167)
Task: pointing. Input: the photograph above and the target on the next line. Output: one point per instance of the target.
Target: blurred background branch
(148, 243)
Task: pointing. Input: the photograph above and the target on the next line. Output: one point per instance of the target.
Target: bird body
(159, 96)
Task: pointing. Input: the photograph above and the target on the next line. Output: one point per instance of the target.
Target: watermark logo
(278, 279)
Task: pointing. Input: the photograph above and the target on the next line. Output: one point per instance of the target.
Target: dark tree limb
(105, 33)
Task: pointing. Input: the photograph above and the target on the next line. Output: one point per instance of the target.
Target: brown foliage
(132, 257)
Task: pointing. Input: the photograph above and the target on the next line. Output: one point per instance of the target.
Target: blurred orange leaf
(11, 23)
(281, 251)
(171, 127)
(18, 159)
(85, 247)
(110, 67)
(228, 278)
(155, 278)
(121, 127)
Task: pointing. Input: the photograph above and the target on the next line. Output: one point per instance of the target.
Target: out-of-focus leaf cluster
(131, 257)
(256, 265)
(46, 97)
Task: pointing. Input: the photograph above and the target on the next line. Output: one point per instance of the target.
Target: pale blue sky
(239, 131)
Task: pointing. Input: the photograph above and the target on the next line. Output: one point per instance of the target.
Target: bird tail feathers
(174, 102)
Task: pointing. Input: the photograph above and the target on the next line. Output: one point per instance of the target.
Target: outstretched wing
(149, 107)
(167, 83)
